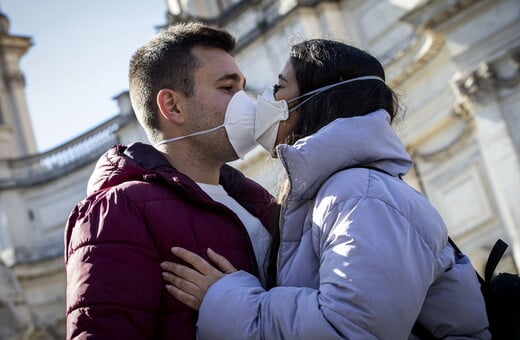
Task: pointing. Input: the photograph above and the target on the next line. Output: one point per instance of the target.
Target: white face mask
(239, 123)
(270, 112)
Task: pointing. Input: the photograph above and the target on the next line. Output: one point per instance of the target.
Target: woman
(361, 254)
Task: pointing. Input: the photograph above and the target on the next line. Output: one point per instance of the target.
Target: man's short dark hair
(166, 61)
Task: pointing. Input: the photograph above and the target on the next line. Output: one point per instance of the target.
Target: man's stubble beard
(214, 145)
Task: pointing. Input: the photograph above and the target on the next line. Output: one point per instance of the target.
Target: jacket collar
(142, 162)
(346, 142)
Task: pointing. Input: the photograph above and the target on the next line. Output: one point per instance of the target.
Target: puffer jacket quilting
(362, 256)
(138, 207)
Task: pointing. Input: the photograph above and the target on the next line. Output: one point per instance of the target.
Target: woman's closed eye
(276, 87)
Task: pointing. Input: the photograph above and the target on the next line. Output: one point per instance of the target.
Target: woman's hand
(189, 285)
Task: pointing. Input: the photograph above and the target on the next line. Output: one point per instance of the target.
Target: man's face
(216, 80)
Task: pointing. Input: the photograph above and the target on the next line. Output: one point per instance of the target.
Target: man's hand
(189, 285)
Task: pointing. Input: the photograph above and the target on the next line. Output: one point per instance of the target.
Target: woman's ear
(170, 105)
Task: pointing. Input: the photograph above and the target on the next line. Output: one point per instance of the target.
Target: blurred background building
(455, 62)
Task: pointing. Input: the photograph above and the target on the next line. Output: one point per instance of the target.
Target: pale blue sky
(79, 60)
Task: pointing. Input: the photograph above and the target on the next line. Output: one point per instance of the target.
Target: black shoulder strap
(422, 333)
(494, 257)
(457, 250)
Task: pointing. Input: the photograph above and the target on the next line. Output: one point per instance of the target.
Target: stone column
(492, 92)
(16, 132)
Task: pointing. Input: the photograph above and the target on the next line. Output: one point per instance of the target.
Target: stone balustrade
(43, 167)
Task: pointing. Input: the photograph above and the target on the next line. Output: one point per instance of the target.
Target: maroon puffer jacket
(138, 207)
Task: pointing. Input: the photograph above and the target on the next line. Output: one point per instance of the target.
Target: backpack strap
(457, 250)
(460, 253)
(494, 257)
(421, 332)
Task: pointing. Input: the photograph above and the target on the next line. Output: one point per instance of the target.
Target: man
(142, 201)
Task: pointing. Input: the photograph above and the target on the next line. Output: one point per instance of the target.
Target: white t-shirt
(260, 237)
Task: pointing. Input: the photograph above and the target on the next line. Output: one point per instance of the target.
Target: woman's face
(287, 88)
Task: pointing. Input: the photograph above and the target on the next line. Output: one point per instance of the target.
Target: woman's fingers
(189, 293)
(181, 271)
(189, 300)
(221, 262)
(195, 260)
(190, 285)
(181, 284)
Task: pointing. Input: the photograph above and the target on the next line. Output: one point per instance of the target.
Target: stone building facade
(455, 63)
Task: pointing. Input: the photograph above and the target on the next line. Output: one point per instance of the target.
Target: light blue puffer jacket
(362, 254)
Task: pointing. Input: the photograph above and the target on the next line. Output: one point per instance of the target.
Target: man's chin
(232, 156)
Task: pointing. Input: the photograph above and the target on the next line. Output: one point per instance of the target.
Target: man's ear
(171, 106)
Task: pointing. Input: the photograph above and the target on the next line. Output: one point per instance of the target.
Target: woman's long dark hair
(321, 62)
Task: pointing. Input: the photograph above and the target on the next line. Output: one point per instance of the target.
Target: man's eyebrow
(231, 76)
(280, 77)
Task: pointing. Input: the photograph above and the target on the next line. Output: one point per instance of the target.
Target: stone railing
(49, 165)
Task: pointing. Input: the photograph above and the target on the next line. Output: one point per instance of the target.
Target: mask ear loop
(315, 92)
(198, 133)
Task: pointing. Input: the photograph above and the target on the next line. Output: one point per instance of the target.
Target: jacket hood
(367, 140)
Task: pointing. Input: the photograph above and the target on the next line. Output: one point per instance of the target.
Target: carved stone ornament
(16, 77)
(491, 77)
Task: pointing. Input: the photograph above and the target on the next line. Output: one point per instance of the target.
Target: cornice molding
(266, 21)
(221, 19)
(234, 10)
(19, 44)
(436, 12)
